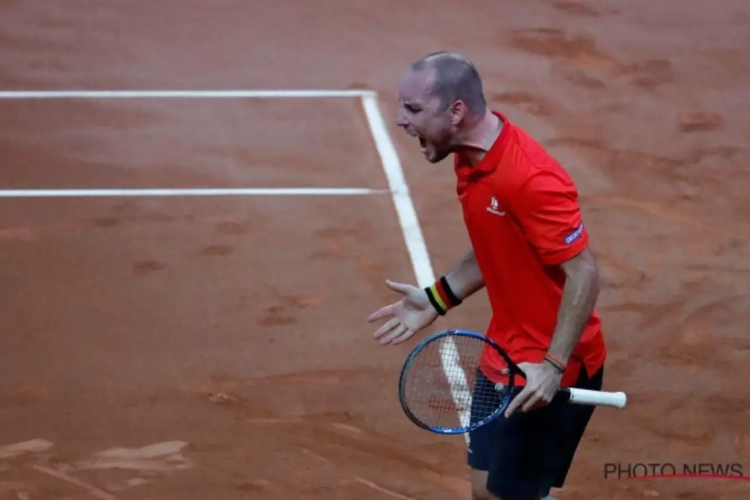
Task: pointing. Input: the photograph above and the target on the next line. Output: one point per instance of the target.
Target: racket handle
(595, 398)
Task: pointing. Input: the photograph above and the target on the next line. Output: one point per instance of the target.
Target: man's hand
(407, 316)
(542, 383)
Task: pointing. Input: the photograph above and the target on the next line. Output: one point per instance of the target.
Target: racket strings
(443, 387)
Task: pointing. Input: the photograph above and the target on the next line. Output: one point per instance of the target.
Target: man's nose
(401, 119)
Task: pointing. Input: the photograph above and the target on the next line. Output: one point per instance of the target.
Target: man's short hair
(456, 78)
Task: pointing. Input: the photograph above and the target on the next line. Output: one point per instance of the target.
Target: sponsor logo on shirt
(493, 208)
(577, 232)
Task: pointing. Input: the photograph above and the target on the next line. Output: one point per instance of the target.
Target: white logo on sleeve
(577, 232)
(493, 208)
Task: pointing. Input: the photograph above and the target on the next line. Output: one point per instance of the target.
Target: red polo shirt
(522, 215)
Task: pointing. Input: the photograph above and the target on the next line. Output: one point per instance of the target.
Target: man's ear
(458, 112)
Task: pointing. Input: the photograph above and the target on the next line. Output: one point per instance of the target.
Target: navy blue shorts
(529, 453)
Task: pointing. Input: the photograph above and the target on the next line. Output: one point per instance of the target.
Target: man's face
(422, 115)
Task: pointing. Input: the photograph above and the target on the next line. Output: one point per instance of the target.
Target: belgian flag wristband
(441, 296)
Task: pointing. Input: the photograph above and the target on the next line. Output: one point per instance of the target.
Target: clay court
(173, 345)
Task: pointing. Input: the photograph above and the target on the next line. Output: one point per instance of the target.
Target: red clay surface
(216, 348)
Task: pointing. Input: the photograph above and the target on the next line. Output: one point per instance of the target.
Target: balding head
(441, 101)
(454, 78)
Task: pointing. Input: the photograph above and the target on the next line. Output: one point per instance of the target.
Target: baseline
(105, 193)
(181, 94)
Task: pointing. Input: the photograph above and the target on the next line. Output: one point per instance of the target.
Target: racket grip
(595, 398)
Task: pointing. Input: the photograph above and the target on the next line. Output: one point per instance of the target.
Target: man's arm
(465, 278)
(579, 296)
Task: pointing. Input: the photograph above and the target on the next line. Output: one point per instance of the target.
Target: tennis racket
(438, 387)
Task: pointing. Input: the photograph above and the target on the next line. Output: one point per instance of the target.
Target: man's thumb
(399, 287)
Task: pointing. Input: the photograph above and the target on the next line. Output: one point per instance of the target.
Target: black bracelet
(560, 369)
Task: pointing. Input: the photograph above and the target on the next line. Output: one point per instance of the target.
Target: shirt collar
(490, 162)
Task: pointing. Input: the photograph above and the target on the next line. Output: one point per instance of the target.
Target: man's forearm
(579, 296)
(465, 278)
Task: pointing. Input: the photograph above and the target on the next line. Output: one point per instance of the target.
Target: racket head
(441, 388)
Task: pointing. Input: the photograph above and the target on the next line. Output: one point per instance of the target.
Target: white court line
(174, 94)
(104, 193)
(416, 246)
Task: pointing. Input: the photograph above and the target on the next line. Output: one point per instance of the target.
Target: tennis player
(530, 249)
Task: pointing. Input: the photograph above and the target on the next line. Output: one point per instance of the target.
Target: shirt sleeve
(548, 212)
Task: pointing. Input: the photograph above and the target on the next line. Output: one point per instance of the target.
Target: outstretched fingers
(397, 335)
(381, 313)
(405, 335)
(389, 309)
(386, 327)
(393, 331)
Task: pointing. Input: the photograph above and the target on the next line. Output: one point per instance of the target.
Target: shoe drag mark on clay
(701, 122)
(582, 52)
(217, 250)
(144, 267)
(139, 465)
(285, 310)
(576, 9)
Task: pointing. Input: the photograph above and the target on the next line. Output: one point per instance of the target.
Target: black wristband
(455, 301)
(441, 296)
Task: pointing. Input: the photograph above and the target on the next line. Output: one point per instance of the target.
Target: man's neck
(479, 138)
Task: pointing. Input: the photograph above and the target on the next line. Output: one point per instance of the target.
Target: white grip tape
(598, 398)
